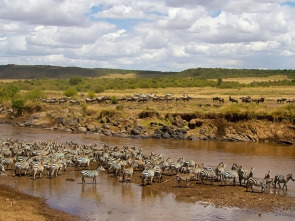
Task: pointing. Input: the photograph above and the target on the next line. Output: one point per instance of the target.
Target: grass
(248, 80)
(270, 93)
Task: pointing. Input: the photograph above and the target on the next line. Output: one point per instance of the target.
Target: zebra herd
(53, 159)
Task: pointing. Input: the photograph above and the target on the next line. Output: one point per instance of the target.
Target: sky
(161, 35)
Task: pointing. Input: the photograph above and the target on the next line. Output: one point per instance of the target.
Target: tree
(75, 80)
(219, 81)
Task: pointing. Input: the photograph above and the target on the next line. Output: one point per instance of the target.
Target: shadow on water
(110, 199)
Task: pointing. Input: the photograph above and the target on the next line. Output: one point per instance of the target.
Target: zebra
(128, 171)
(245, 175)
(158, 173)
(39, 168)
(8, 161)
(21, 168)
(91, 174)
(254, 181)
(231, 174)
(281, 179)
(84, 161)
(147, 176)
(211, 172)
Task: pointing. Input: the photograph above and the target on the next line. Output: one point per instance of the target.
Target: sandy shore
(16, 205)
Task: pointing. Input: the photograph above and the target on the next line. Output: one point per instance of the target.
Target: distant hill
(12, 71)
(215, 73)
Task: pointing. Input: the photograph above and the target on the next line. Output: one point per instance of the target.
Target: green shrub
(18, 105)
(75, 80)
(91, 94)
(120, 107)
(70, 92)
(114, 100)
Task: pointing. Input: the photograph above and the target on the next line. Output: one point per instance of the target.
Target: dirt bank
(151, 124)
(16, 205)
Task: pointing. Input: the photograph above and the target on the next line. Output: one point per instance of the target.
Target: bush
(34, 95)
(120, 107)
(18, 105)
(75, 80)
(8, 92)
(71, 92)
(114, 100)
(91, 94)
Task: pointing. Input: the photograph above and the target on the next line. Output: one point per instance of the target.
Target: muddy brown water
(110, 199)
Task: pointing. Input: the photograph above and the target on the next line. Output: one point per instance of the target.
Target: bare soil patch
(16, 205)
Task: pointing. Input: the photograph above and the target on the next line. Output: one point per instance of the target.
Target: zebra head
(100, 168)
(291, 177)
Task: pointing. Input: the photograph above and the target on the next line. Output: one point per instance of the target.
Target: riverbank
(16, 205)
(136, 121)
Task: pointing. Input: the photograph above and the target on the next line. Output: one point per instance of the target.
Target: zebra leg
(83, 179)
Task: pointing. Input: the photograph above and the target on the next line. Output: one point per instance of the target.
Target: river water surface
(113, 200)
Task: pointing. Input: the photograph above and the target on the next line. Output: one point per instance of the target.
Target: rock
(106, 132)
(166, 135)
(284, 142)
(153, 124)
(135, 131)
(106, 126)
(38, 115)
(193, 123)
(156, 136)
(91, 128)
(158, 131)
(81, 129)
(178, 122)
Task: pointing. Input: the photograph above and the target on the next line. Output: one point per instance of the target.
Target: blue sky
(149, 34)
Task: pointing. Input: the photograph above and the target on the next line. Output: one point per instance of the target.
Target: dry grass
(209, 92)
(248, 80)
(131, 75)
(12, 80)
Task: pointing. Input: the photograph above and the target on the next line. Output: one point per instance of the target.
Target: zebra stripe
(254, 181)
(281, 179)
(91, 174)
(21, 168)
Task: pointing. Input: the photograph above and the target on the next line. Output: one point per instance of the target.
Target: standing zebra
(91, 174)
(128, 171)
(147, 176)
(21, 168)
(281, 179)
(262, 183)
(210, 173)
(231, 174)
(254, 181)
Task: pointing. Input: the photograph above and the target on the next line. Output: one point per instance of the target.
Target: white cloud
(148, 34)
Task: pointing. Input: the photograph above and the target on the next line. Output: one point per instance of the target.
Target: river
(113, 200)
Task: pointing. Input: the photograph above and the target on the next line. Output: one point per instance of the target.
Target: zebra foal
(91, 174)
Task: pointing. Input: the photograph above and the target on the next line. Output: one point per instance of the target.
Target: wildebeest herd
(52, 159)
